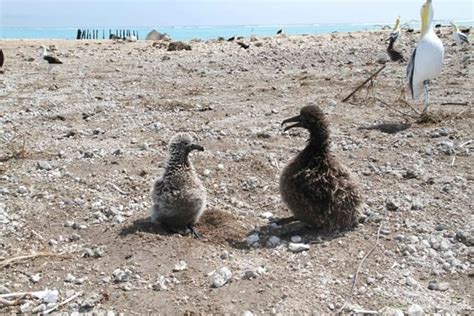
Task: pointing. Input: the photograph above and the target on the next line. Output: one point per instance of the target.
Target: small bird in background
(317, 189)
(427, 59)
(396, 32)
(394, 37)
(178, 196)
(48, 58)
(458, 36)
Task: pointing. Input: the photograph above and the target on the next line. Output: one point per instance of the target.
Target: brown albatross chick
(314, 185)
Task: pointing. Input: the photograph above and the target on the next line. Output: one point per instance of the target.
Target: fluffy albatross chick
(314, 185)
(178, 196)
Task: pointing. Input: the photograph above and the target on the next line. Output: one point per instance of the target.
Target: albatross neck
(179, 160)
(426, 18)
(44, 51)
(397, 25)
(318, 146)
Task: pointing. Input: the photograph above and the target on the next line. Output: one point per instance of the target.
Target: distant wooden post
(78, 36)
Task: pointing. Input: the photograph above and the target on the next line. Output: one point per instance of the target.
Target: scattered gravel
(91, 139)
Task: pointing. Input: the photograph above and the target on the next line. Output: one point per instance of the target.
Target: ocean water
(202, 32)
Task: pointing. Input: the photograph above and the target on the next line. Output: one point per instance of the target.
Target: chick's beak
(292, 120)
(197, 147)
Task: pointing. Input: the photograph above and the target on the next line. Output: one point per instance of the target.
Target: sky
(150, 13)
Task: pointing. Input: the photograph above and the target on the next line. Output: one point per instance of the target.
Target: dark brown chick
(314, 185)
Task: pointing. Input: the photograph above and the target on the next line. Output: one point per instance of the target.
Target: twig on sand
(455, 103)
(354, 279)
(117, 188)
(397, 110)
(372, 77)
(15, 260)
(409, 105)
(16, 294)
(72, 297)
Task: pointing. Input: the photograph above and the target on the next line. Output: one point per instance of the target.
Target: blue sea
(202, 32)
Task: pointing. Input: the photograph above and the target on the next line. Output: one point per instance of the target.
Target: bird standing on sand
(458, 36)
(314, 185)
(178, 196)
(395, 35)
(427, 59)
(46, 57)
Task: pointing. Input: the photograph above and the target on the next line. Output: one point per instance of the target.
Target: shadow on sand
(145, 226)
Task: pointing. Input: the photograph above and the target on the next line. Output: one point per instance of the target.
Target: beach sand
(81, 147)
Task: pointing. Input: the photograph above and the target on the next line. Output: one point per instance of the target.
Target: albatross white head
(397, 25)
(426, 17)
(43, 51)
(456, 28)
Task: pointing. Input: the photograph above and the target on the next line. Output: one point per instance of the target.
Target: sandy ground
(81, 147)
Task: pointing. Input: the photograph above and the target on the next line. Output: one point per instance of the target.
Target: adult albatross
(427, 59)
(459, 36)
(49, 59)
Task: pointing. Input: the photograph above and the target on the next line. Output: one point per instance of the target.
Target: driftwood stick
(455, 103)
(364, 83)
(354, 279)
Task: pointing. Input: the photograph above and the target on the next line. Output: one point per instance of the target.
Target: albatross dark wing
(411, 71)
(52, 60)
(463, 38)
